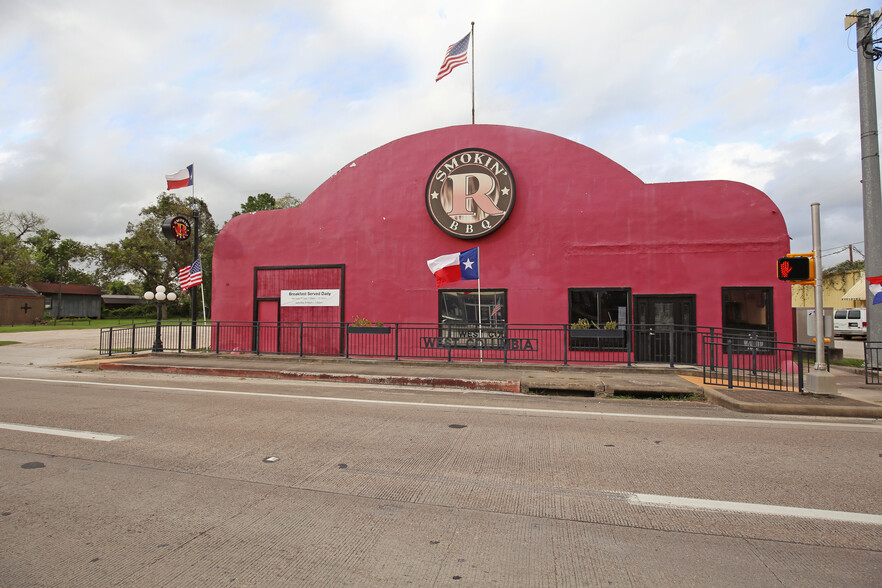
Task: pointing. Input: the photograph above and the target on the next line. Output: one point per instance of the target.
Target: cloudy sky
(100, 99)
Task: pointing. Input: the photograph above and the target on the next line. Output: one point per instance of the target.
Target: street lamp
(160, 297)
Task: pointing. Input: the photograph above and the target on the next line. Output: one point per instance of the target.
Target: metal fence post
(729, 354)
(397, 326)
(133, 338)
(566, 338)
(257, 336)
(713, 359)
(110, 343)
(301, 339)
(799, 358)
(671, 346)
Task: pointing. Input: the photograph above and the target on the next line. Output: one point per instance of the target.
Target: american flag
(190, 276)
(457, 54)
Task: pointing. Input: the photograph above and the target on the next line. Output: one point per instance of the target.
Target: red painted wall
(579, 220)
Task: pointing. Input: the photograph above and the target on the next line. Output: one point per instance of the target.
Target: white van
(850, 322)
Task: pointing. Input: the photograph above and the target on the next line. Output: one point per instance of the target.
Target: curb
(722, 399)
(510, 386)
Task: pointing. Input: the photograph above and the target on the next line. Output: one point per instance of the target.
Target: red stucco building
(568, 234)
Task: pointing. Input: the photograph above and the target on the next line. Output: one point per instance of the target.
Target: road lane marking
(61, 432)
(679, 502)
(507, 409)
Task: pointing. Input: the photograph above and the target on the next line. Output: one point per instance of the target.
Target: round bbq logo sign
(470, 193)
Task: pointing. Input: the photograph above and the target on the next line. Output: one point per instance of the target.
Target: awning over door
(857, 292)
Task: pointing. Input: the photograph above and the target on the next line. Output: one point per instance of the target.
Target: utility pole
(867, 54)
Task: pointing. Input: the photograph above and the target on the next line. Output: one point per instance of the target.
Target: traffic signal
(797, 267)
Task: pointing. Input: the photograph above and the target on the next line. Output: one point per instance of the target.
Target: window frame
(769, 305)
(464, 334)
(611, 344)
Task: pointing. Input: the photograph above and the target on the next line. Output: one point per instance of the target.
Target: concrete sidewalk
(855, 398)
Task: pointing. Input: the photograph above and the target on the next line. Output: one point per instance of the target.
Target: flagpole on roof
(473, 72)
(480, 327)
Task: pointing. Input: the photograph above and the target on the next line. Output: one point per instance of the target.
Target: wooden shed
(69, 300)
(19, 306)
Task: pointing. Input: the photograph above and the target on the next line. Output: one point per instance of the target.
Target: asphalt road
(418, 487)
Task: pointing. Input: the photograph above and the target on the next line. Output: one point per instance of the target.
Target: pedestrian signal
(796, 268)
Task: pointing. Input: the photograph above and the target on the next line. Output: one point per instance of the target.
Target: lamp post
(160, 297)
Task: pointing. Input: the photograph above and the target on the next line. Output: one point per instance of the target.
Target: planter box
(355, 330)
(597, 334)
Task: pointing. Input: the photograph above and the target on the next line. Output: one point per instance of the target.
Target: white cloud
(98, 100)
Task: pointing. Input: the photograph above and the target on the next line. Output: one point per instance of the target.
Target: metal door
(664, 328)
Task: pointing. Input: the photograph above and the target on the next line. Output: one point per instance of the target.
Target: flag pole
(473, 72)
(480, 325)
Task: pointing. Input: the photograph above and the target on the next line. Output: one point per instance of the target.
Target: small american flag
(190, 276)
(457, 54)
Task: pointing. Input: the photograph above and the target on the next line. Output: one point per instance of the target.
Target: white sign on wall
(310, 298)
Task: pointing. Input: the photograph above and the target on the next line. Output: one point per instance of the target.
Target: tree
(845, 266)
(16, 260)
(266, 201)
(55, 258)
(118, 287)
(152, 258)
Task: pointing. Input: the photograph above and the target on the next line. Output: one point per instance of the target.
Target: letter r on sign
(481, 196)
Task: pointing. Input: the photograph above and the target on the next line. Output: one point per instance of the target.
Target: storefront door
(664, 328)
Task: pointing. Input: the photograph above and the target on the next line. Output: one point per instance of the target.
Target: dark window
(467, 321)
(600, 305)
(747, 319)
(463, 306)
(600, 308)
(747, 308)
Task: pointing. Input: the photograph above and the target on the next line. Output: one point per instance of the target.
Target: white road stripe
(61, 432)
(504, 409)
(638, 499)
(749, 508)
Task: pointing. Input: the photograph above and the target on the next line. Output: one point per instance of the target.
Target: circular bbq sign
(470, 193)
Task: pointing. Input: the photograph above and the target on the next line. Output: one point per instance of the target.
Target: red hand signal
(785, 269)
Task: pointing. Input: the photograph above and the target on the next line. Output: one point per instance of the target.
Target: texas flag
(181, 179)
(454, 267)
(875, 288)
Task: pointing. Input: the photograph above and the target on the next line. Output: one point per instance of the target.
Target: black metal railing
(517, 343)
(175, 336)
(873, 362)
(756, 362)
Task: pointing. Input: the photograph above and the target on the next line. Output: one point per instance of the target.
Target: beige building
(843, 290)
